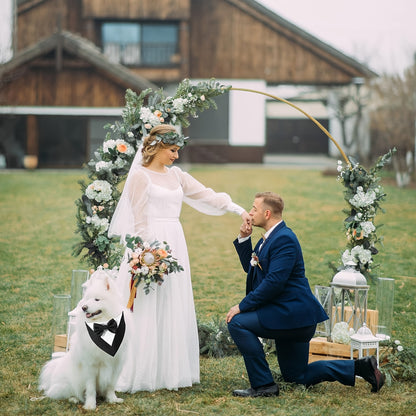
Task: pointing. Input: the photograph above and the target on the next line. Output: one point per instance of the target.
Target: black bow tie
(110, 326)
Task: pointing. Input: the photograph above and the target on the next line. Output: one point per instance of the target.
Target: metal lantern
(364, 340)
(349, 298)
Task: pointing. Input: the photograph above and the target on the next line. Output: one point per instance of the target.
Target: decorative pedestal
(364, 345)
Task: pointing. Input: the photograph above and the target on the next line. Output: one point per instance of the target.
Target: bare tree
(348, 106)
(393, 121)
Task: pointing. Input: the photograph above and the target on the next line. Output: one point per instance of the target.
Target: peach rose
(122, 148)
(360, 237)
(162, 253)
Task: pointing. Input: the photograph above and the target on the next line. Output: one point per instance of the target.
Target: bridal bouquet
(148, 262)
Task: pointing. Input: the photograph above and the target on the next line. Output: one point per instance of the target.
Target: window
(144, 44)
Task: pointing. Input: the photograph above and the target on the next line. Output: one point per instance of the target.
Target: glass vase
(384, 307)
(61, 307)
(324, 296)
(79, 277)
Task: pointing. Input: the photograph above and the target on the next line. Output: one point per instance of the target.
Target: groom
(279, 305)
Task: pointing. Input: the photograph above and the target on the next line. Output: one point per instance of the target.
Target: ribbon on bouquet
(133, 291)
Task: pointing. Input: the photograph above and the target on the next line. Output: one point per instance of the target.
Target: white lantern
(349, 297)
(364, 340)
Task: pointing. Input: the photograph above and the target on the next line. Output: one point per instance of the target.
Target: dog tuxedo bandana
(110, 326)
(108, 336)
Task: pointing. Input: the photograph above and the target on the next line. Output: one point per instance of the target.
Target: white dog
(93, 363)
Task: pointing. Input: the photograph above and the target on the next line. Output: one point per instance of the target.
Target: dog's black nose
(84, 308)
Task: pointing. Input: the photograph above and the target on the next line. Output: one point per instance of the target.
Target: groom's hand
(246, 225)
(245, 229)
(232, 312)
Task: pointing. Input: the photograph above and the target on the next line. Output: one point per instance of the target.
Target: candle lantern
(384, 307)
(364, 340)
(349, 298)
(61, 306)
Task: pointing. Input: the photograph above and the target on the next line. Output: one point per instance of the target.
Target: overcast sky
(379, 33)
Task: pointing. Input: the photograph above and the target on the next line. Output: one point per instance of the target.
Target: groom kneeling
(279, 305)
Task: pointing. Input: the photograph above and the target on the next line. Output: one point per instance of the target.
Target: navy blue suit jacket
(279, 291)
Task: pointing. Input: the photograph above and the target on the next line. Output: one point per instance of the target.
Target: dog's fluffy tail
(55, 380)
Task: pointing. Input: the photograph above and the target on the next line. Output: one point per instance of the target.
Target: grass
(37, 223)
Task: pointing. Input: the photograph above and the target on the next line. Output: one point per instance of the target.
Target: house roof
(83, 49)
(296, 30)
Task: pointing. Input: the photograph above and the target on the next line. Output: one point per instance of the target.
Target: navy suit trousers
(292, 347)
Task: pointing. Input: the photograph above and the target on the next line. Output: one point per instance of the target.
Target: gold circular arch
(303, 112)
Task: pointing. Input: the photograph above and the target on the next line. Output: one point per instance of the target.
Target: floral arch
(112, 161)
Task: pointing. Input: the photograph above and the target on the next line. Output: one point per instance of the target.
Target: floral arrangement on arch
(112, 160)
(363, 195)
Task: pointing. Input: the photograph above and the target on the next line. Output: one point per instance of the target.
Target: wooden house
(74, 59)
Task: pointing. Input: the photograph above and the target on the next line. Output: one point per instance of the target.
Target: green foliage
(397, 362)
(112, 160)
(363, 194)
(215, 339)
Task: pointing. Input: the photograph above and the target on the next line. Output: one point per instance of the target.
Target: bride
(163, 334)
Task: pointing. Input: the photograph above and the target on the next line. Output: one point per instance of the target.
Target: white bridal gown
(162, 330)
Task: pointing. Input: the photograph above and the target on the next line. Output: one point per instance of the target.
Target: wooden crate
(60, 343)
(321, 349)
(371, 321)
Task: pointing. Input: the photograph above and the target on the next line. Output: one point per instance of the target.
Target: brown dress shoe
(367, 369)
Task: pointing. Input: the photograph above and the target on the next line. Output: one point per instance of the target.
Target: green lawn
(37, 223)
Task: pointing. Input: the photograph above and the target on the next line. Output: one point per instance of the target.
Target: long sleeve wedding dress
(163, 350)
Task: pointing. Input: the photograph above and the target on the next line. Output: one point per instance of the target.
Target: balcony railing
(145, 54)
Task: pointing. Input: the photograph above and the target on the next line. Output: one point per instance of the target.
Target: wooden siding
(218, 38)
(35, 23)
(40, 20)
(43, 86)
(134, 9)
(231, 40)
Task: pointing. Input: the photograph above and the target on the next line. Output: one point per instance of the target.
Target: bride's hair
(151, 143)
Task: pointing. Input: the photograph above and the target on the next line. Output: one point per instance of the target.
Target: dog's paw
(90, 405)
(73, 399)
(112, 398)
(116, 400)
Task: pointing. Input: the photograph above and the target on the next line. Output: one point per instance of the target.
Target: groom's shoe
(367, 369)
(272, 390)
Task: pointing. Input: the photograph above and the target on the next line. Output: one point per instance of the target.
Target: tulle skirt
(161, 332)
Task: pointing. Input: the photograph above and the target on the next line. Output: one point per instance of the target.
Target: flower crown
(172, 138)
